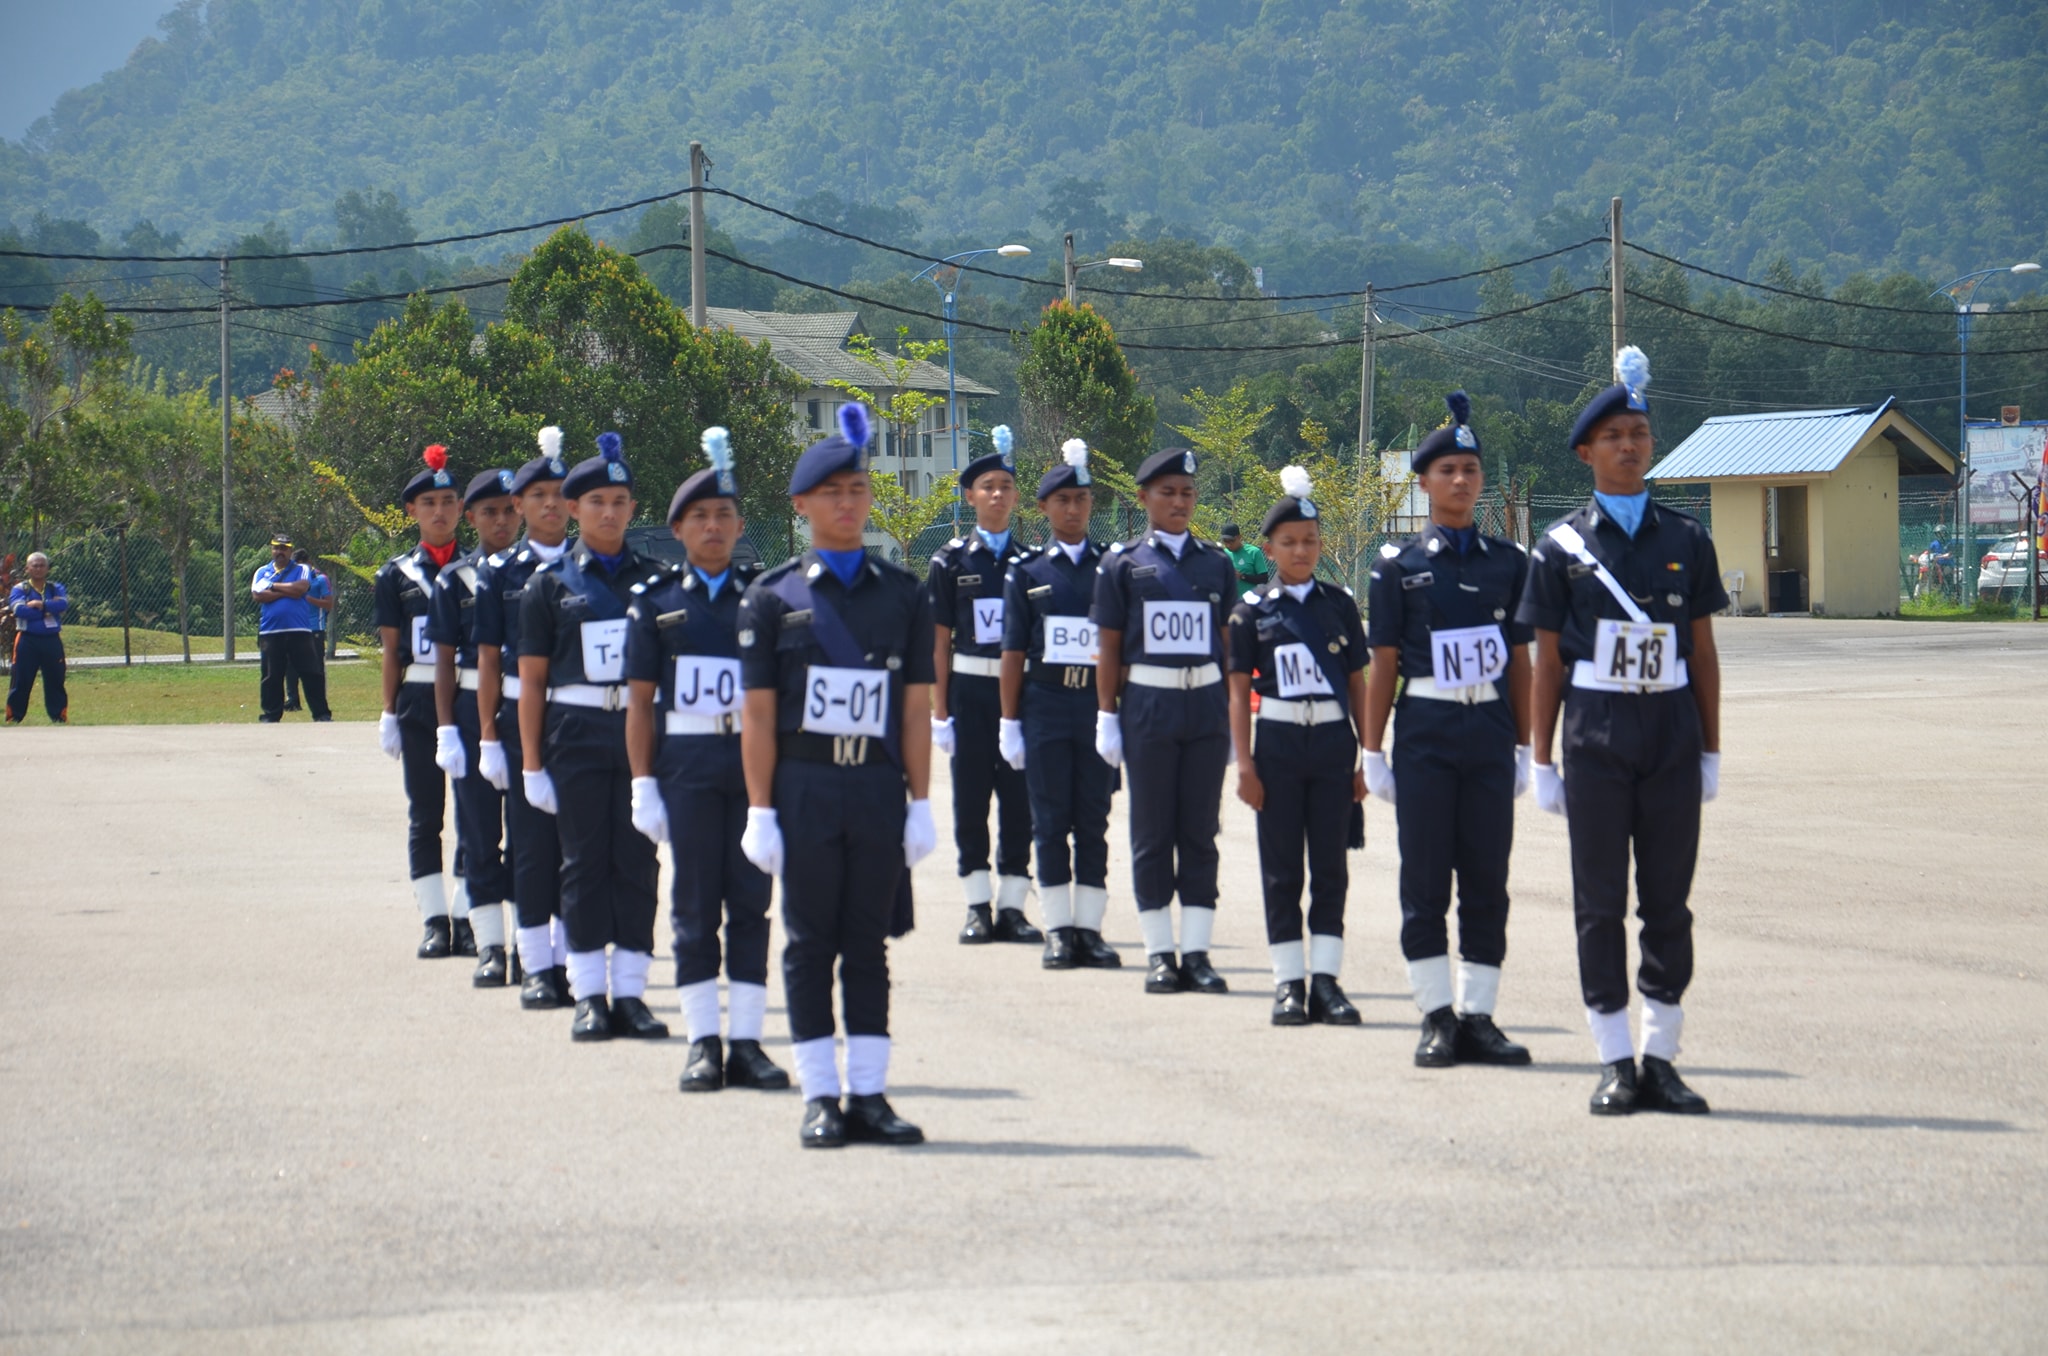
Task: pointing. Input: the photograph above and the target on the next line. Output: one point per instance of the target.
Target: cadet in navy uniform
(1160, 602)
(1299, 644)
(1441, 606)
(836, 656)
(966, 583)
(402, 593)
(1622, 594)
(1048, 728)
(689, 788)
(479, 804)
(536, 850)
(572, 734)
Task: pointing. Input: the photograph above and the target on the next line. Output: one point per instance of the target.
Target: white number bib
(1639, 656)
(707, 687)
(423, 651)
(1299, 675)
(988, 621)
(1467, 656)
(846, 701)
(604, 650)
(1070, 641)
(1177, 628)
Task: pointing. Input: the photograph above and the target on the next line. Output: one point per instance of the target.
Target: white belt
(466, 679)
(419, 673)
(1159, 675)
(508, 687)
(1471, 695)
(599, 697)
(977, 665)
(689, 723)
(1583, 676)
(1299, 712)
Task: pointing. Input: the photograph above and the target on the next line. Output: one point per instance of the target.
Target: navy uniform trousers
(609, 870)
(479, 816)
(979, 772)
(1070, 785)
(533, 844)
(37, 652)
(1454, 805)
(1632, 776)
(843, 857)
(704, 788)
(426, 786)
(1308, 772)
(1176, 745)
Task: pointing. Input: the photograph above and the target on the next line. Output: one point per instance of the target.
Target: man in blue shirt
(320, 599)
(38, 606)
(284, 632)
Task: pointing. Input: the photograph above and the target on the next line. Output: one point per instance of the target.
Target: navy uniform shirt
(500, 582)
(1302, 650)
(562, 621)
(675, 616)
(1145, 594)
(1670, 569)
(888, 612)
(451, 614)
(402, 597)
(966, 584)
(1426, 584)
(1047, 583)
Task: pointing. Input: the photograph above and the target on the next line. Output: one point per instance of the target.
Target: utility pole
(1072, 272)
(1365, 376)
(1614, 268)
(227, 461)
(699, 162)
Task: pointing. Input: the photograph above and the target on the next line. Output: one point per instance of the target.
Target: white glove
(448, 752)
(540, 791)
(1522, 757)
(1710, 776)
(490, 764)
(1109, 738)
(1379, 777)
(920, 837)
(1549, 788)
(942, 736)
(1010, 742)
(387, 736)
(762, 842)
(650, 815)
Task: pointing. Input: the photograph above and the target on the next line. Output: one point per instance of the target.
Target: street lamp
(953, 262)
(1960, 292)
(1074, 270)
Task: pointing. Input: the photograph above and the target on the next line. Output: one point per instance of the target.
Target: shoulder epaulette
(1251, 595)
(1389, 551)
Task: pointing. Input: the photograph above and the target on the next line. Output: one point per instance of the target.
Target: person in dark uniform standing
(402, 594)
(536, 850)
(1048, 727)
(38, 605)
(966, 582)
(689, 787)
(1160, 601)
(836, 657)
(1299, 644)
(572, 735)
(479, 804)
(1621, 594)
(1442, 605)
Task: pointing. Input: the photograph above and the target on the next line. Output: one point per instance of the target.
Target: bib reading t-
(604, 650)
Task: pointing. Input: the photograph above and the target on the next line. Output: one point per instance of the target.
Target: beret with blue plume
(1456, 436)
(715, 481)
(846, 450)
(1628, 395)
(607, 469)
(1002, 459)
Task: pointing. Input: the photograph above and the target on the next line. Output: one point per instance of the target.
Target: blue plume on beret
(1460, 406)
(610, 445)
(717, 444)
(1632, 368)
(1004, 440)
(853, 423)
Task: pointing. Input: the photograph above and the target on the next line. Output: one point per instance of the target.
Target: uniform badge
(1464, 437)
(1008, 463)
(505, 481)
(614, 472)
(746, 636)
(1389, 551)
(1334, 647)
(1675, 599)
(726, 484)
(1500, 614)
(1636, 401)
(1308, 508)
(1434, 546)
(442, 480)
(556, 468)
(894, 662)
(1187, 462)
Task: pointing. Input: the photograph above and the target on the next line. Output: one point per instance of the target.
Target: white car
(2002, 573)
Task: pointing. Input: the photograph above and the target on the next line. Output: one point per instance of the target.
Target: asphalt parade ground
(237, 1115)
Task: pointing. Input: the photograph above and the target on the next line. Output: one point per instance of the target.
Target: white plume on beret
(717, 444)
(1074, 452)
(1632, 367)
(1294, 481)
(551, 442)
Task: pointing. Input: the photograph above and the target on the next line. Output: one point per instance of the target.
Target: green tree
(1234, 481)
(891, 397)
(50, 377)
(903, 517)
(1073, 382)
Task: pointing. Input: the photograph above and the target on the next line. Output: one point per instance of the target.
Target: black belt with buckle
(835, 750)
(1080, 677)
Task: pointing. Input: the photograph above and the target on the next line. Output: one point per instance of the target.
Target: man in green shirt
(1249, 561)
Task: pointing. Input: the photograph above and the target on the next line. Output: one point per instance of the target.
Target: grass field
(198, 694)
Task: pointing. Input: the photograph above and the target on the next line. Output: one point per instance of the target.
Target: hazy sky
(55, 45)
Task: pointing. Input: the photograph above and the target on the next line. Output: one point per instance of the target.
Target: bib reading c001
(1176, 628)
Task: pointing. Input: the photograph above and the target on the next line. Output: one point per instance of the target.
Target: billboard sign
(1997, 452)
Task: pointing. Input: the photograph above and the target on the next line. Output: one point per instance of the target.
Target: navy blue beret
(487, 485)
(547, 466)
(607, 468)
(1069, 473)
(437, 476)
(846, 450)
(1632, 373)
(998, 460)
(1174, 461)
(1456, 436)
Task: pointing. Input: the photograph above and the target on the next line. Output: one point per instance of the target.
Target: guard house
(1806, 503)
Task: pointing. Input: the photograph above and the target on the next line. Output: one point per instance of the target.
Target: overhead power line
(1786, 291)
(1831, 343)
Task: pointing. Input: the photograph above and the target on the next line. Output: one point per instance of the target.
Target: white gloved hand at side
(650, 815)
(448, 752)
(1522, 765)
(388, 738)
(1109, 738)
(1710, 776)
(920, 835)
(1379, 776)
(942, 736)
(1010, 742)
(540, 791)
(1549, 788)
(490, 764)
(762, 842)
